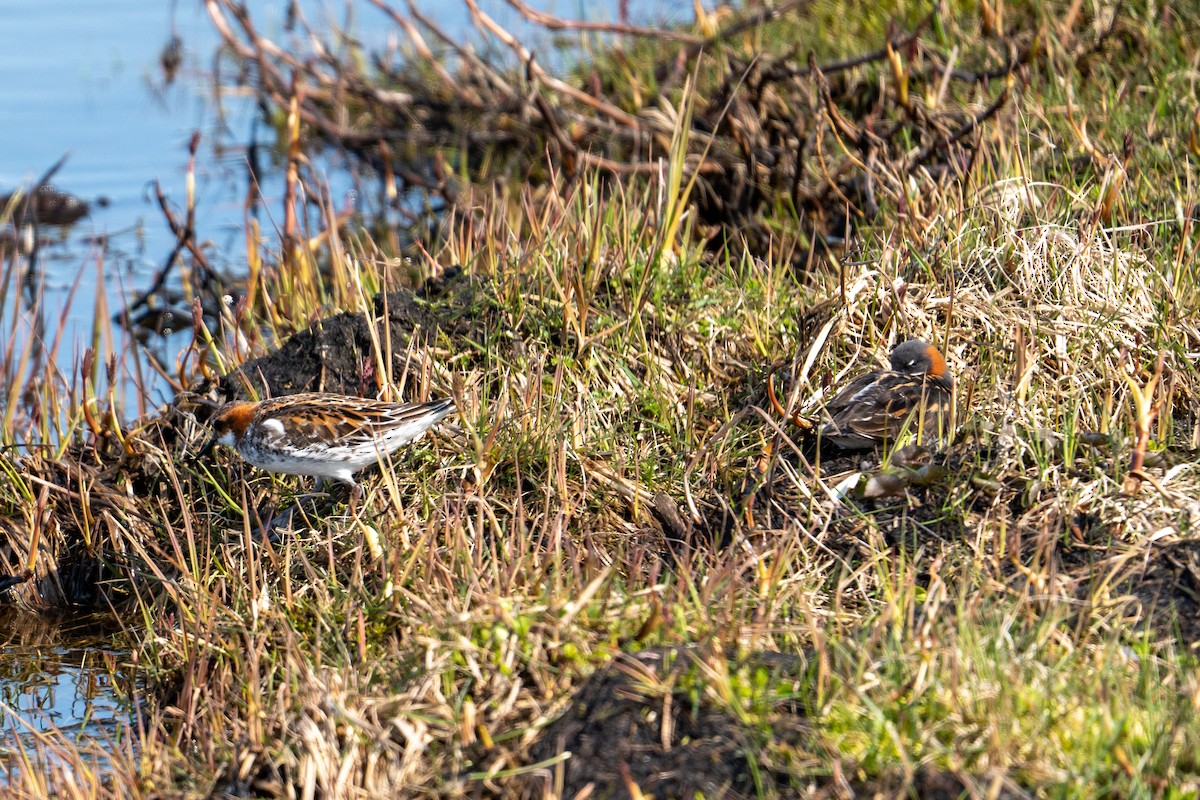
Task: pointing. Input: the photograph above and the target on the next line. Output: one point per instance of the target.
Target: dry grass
(1016, 620)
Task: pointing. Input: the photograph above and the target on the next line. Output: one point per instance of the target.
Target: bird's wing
(850, 392)
(879, 411)
(406, 421)
(333, 419)
(301, 420)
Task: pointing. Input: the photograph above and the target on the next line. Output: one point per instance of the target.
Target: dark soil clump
(337, 354)
(1166, 586)
(627, 728)
(928, 783)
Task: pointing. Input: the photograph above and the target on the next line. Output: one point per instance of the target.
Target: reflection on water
(64, 687)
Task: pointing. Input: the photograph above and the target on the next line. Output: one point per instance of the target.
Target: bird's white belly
(322, 464)
(332, 462)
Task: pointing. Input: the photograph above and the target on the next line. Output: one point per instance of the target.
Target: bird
(916, 392)
(328, 436)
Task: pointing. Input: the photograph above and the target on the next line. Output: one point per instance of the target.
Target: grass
(1021, 624)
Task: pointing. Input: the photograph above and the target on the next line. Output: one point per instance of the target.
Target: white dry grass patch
(1057, 313)
(1080, 321)
(1052, 326)
(1076, 302)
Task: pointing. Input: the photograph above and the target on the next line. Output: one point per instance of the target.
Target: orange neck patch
(237, 417)
(937, 364)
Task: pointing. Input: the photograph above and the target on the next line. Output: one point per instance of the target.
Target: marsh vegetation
(625, 570)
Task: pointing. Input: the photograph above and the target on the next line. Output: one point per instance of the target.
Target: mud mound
(626, 727)
(337, 354)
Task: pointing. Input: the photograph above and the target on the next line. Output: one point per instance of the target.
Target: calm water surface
(67, 676)
(84, 79)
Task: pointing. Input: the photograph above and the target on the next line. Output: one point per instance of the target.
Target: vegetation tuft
(625, 569)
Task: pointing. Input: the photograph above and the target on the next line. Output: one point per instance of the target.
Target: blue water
(83, 78)
(62, 680)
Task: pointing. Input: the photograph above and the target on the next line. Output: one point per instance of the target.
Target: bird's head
(229, 425)
(917, 358)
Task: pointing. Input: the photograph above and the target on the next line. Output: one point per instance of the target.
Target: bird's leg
(295, 516)
(278, 523)
(318, 490)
